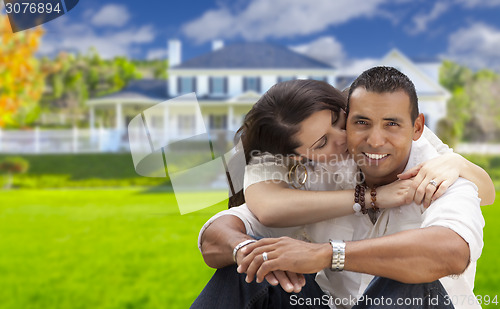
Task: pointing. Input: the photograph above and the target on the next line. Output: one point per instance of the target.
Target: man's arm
(219, 240)
(414, 256)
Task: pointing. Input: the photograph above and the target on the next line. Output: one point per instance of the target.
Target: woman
(279, 138)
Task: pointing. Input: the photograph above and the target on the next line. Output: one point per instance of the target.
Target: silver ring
(433, 182)
(264, 256)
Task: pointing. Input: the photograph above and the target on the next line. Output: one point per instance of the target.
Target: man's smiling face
(380, 133)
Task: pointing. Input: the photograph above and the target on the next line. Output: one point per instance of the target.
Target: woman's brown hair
(272, 123)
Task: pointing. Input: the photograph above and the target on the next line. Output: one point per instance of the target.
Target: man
(382, 125)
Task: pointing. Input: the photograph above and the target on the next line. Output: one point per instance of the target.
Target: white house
(227, 82)
(230, 79)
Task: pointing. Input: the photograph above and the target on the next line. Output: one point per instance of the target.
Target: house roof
(140, 90)
(428, 59)
(253, 55)
(344, 81)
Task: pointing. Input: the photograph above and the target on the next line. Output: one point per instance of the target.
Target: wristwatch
(338, 255)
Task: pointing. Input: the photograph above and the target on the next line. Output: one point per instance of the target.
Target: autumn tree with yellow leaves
(21, 80)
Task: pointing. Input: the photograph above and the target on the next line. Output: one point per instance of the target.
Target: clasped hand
(288, 259)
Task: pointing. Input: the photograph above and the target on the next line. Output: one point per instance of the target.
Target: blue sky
(335, 31)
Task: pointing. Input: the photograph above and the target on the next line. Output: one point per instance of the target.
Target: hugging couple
(305, 232)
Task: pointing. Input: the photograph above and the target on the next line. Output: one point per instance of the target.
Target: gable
(424, 84)
(249, 96)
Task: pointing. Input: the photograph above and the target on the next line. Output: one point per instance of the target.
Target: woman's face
(322, 137)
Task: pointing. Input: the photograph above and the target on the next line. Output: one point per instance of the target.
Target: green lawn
(123, 248)
(119, 248)
(488, 267)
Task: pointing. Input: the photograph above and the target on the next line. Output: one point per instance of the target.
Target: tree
(21, 81)
(473, 112)
(484, 91)
(453, 76)
(75, 78)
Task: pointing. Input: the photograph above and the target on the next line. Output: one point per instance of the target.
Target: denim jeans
(384, 293)
(228, 290)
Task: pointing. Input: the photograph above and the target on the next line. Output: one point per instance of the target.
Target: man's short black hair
(386, 79)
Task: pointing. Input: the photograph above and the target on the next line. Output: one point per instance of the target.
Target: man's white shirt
(458, 209)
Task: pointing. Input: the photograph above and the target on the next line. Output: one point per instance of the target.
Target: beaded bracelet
(359, 200)
(373, 194)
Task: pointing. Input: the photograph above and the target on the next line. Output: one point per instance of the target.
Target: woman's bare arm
(277, 205)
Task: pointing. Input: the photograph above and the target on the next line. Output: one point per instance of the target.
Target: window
(321, 78)
(217, 122)
(285, 78)
(251, 83)
(186, 85)
(218, 85)
(186, 124)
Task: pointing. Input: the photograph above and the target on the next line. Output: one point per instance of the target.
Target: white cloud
(476, 46)
(263, 19)
(326, 49)
(63, 34)
(479, 3)
(111, 15)
(158, 53)
(421, 21)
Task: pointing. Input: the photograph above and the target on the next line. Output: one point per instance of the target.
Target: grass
(124, 248)
(99, 249)
(488, 267)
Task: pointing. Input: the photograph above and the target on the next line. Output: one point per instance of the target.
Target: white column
(230, 118)
(199, 121)
(119, 116)
(37, 140)
(1, 133)
(166, 125)
(92, 118)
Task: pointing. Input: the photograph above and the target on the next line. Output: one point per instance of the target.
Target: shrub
(11, 166)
